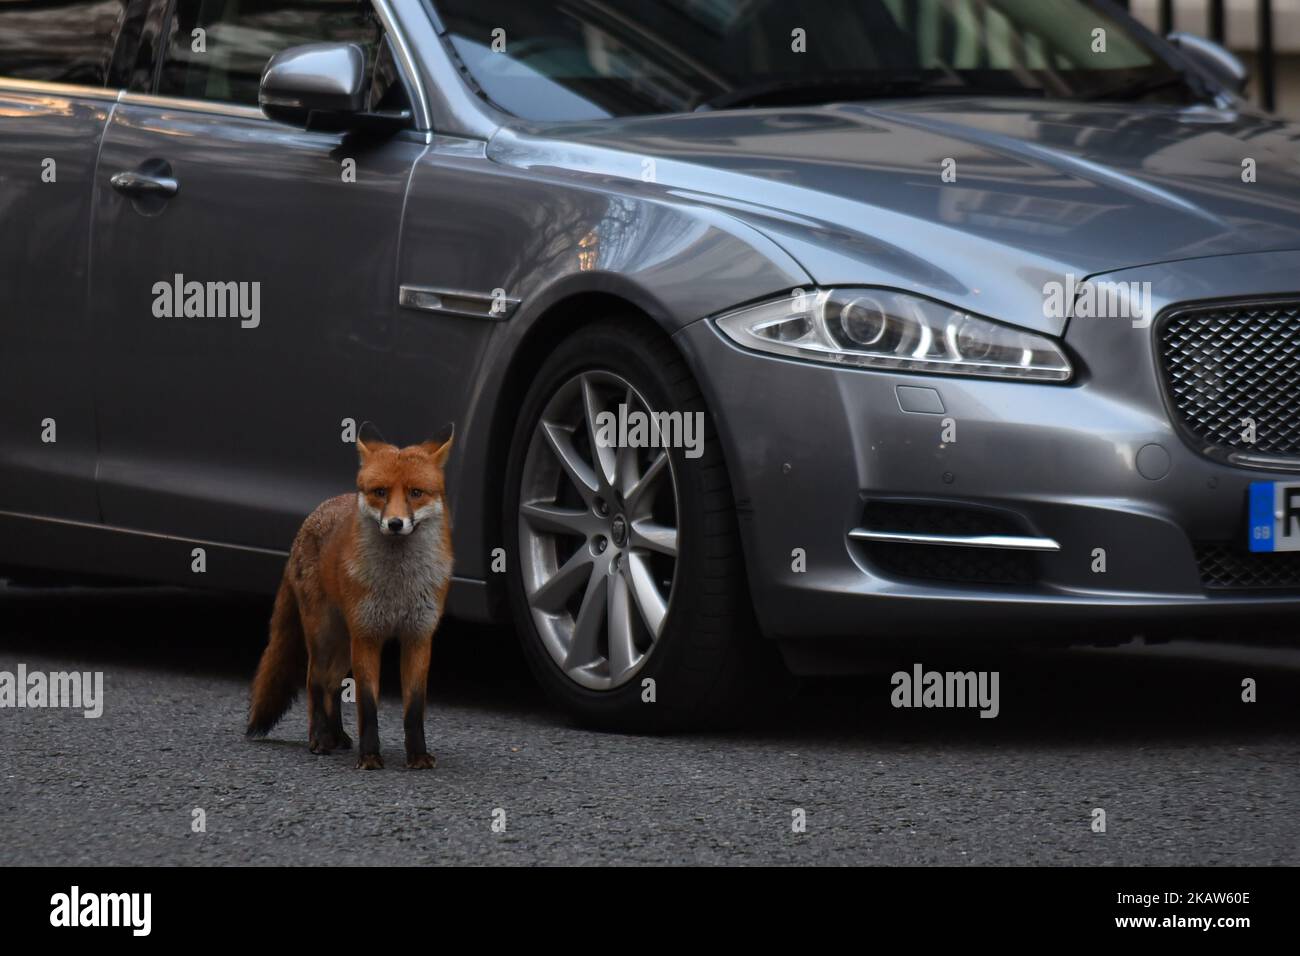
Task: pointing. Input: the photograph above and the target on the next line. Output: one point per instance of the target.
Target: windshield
(590, 59)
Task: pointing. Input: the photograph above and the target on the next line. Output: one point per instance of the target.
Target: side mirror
(316, 86)
(1220, 63)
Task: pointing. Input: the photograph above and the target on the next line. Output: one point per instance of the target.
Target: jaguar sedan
(771, 332)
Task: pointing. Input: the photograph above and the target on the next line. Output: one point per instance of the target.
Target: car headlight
(879, 328)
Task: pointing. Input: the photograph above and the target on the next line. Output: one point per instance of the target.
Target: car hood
(980, 202)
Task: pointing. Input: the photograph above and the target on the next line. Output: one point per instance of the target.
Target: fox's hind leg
(327, 666)
(338, 661)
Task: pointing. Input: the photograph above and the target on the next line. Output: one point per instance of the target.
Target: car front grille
(1227, 567)
(1227, 366)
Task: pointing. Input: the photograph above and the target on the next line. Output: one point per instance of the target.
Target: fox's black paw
(327, 742)
(370, 762)
(420, 761)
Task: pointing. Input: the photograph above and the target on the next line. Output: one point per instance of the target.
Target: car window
(594, 58)
(217, 49)
(1008, 34)
(59, 42)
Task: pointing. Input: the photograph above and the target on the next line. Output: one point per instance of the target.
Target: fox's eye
(417, 493)
(380, 492)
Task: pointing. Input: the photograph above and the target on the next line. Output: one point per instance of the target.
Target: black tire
(709, 656)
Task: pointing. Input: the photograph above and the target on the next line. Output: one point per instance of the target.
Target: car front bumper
(1096, 467)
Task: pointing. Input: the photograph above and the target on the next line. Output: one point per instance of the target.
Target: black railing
(1217, 30)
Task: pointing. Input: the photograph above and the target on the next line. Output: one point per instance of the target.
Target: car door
(243, 279)
(54, 104)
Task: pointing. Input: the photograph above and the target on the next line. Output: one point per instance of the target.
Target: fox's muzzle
(396, 525)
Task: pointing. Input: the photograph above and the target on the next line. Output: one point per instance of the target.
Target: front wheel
(626, 575)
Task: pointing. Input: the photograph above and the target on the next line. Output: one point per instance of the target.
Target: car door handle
(145, 184)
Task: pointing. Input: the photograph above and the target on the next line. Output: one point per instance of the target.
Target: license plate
(1275, 516)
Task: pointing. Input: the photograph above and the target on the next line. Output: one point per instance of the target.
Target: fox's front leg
(415, 680)
(365, 669)
(334, 710)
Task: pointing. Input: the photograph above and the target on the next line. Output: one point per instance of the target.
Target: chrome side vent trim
(999, 542)
(467, 305)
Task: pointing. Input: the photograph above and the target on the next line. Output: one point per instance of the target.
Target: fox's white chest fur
(403, 576)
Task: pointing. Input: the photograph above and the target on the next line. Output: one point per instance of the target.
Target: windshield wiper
(813, 88)
(822, 88)
(1129, 92)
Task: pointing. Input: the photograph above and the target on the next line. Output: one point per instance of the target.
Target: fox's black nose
(394, 524)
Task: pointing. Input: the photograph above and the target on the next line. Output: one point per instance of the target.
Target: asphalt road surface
(1158, 738)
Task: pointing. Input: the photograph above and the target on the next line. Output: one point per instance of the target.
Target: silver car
(765, 327)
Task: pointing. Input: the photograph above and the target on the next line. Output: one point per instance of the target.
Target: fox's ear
(440, 450)
(369, 441)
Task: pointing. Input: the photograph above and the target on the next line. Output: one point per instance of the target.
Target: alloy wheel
(597, 528)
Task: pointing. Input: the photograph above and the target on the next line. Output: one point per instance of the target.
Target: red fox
(363, 569)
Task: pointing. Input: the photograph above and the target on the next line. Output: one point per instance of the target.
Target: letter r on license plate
(1275, 516)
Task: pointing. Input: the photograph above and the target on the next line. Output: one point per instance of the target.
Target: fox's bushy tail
(283, 668)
